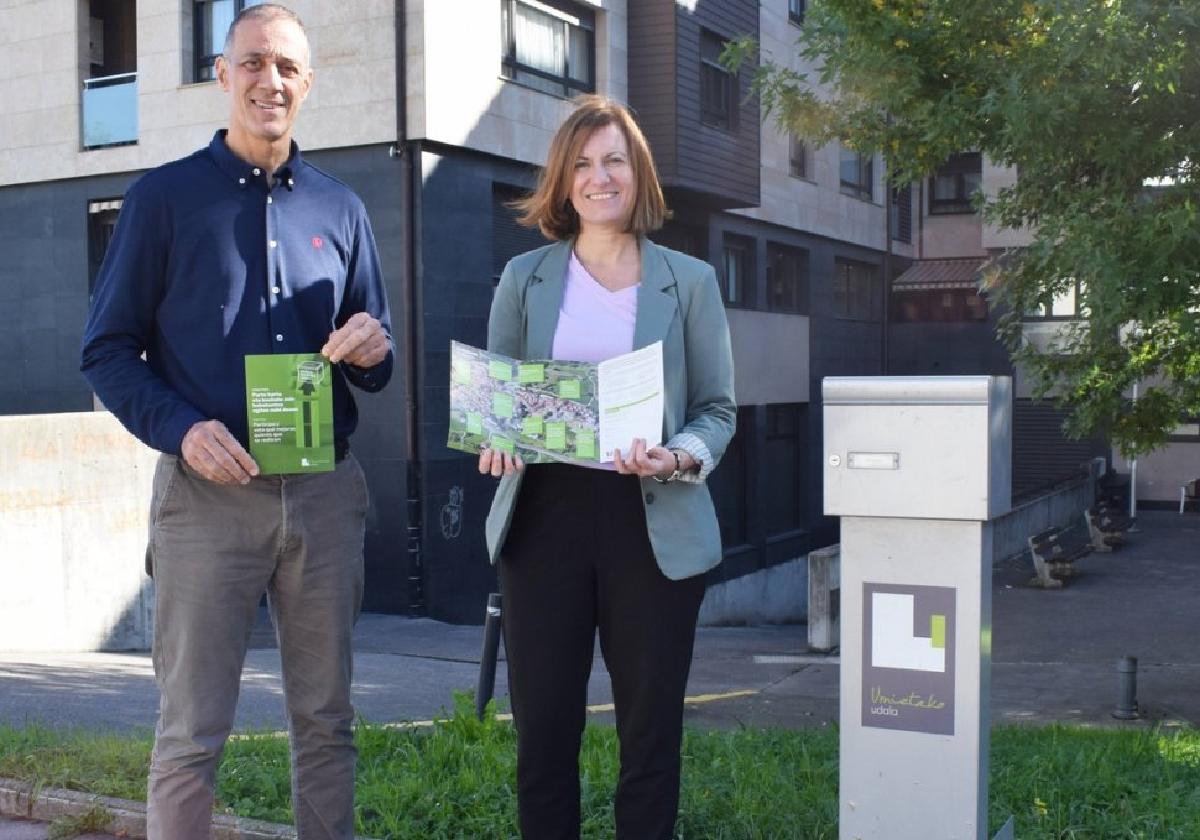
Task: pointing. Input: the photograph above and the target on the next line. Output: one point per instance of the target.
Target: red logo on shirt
(318, 242)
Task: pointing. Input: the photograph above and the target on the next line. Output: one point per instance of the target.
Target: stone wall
(74, 497)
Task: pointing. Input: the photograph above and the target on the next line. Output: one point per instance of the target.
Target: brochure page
(289, 409)
(553, 410)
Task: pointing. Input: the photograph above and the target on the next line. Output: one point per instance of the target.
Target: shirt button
(241, 180)
(279, 337)
(649, 498)
(270, 200)
(273, 243)
(290, 182)
(274, 290)
(256, 171)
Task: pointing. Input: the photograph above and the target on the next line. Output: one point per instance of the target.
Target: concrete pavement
(1054, 658)
(18, 829)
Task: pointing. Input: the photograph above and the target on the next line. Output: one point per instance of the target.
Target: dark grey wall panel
(652, 77)
(44, 292)
(378, 178)
(1042, 454)
(720, 168)
(457, 270)
(722, 163)
(947, 349)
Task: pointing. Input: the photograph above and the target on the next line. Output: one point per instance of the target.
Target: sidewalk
(14, 829)
(1054, 658)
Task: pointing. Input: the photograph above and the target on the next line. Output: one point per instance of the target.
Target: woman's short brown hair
(549, 208)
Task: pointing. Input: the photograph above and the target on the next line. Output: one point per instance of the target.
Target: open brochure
(550, 410)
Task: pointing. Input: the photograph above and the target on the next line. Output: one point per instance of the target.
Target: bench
(1054, 552)
(1189, 492)
(1113, 489)
(1106, 526)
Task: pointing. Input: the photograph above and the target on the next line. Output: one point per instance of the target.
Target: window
(857, 174)
(1188, 431)
(796, 9)
(785, 426)
(902, 213)
(718, 87)
(938, 306)
(955, 183)
(1066, 305)
(797, 157)
(687, 239)
(211, 20)
(856, 291)
(787, 279)
(737, 270)
(549, 46)
(109, 112)
(102, 224)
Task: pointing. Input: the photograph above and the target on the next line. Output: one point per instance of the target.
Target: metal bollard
(486, 686)
(1127, 705)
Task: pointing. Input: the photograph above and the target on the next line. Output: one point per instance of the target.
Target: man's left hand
(361, 341)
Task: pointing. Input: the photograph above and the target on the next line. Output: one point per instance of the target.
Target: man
(244, 248)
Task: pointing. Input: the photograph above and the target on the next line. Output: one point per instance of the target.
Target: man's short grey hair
(262, 12)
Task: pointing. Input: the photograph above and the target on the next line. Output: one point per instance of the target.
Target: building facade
(942, 323)
(438, 126)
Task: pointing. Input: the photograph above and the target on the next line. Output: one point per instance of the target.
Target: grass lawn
(456, 779)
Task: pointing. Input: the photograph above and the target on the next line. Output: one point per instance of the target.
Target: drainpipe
(887, 272)
(921, 219)
(409, 154)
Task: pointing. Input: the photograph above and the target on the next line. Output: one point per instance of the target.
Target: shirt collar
(244, 173)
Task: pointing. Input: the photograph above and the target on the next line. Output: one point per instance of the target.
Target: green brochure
(289, 411)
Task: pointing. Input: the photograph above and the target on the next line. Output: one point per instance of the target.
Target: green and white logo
(908, 657)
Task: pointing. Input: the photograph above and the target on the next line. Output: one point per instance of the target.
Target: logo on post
(908, 658)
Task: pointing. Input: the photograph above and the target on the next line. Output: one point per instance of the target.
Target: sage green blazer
(679, 304)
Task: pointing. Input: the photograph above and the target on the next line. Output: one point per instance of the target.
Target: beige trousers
(214, 550)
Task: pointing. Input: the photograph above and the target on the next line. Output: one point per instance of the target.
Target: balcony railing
(110, 111)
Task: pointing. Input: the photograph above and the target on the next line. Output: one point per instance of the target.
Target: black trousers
(578, 559)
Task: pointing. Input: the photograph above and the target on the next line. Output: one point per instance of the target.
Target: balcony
(110, 111)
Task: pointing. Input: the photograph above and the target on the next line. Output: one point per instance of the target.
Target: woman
(622, 549)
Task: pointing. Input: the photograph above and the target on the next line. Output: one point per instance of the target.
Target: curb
(22, 799)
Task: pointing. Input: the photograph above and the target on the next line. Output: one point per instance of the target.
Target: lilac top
(594, 324)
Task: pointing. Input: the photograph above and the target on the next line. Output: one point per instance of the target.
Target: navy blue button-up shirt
(209, 263)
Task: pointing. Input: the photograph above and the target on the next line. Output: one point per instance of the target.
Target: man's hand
(361, 341)
(215, 454)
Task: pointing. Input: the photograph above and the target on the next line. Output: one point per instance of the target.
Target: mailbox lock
(835, 460)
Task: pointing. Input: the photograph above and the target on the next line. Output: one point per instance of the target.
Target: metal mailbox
(918, 447)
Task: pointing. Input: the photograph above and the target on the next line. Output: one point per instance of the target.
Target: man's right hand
(209, 449)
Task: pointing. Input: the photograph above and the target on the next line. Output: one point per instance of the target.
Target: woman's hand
(656, 461)
(499, 463)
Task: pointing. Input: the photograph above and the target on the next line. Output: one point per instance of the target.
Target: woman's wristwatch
(674, 476)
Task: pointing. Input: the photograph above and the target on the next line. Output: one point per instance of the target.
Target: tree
(1096, 103)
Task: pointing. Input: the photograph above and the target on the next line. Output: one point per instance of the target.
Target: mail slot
(922, 447)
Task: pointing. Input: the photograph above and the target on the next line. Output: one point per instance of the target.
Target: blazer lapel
(544, 299)
(656, 299)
